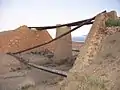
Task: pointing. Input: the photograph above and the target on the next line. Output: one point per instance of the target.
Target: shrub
(112, 22)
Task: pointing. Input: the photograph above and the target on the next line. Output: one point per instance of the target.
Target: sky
(15, 13)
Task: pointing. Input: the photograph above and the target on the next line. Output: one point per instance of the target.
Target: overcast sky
(14, 13)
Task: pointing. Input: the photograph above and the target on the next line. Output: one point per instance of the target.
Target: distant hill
(79, 38)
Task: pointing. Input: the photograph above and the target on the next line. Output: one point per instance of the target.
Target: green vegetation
(112, 22)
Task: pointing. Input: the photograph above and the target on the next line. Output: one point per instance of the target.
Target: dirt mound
(103, 73)
(23, 38)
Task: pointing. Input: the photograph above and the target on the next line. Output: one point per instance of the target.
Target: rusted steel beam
(53, 71)
(68, 24)
(76, 50)
(83, 23)
(86, 22)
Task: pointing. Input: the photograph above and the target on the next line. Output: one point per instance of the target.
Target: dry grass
(92, 83)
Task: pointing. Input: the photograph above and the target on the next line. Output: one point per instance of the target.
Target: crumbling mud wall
(92, 70)
(63, 46)
(24, 38)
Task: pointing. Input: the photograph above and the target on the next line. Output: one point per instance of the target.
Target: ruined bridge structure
(63, 42)
(21, 42)
(90, 71)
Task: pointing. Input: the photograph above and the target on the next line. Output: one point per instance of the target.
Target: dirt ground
(15, 76)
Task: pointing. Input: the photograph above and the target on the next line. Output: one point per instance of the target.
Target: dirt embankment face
(97, 66)
(23, 38)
